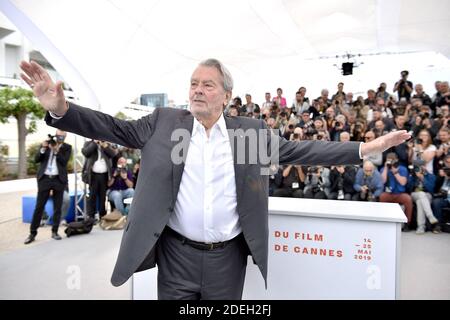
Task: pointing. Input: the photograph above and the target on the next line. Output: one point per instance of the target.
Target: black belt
(51, 176)
(199, 245)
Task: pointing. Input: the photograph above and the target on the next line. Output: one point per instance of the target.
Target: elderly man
(197, 214)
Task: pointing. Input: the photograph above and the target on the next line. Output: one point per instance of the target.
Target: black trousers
(187, 273)
(45, 185)
(97, 190)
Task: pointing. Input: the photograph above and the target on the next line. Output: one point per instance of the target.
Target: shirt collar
(220, 125)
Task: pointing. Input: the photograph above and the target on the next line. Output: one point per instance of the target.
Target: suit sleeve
(89, 148)
(100, 126)
(63, 156)
(309, 153)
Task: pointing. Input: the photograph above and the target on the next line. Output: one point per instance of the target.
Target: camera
(392, 164)
(419, 141)
(121, 169)
(416, 167)
(337, 124)
(424, 115)
(51, 140)
(296, 136)
(447, 171)
(312, 170)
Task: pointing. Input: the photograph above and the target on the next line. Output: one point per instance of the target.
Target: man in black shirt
(404, 87)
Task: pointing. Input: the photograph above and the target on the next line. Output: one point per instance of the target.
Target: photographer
(293, 181)
(289, 131)
(249, 108)
(317, 183)
(341, 182)
(339, 125)
(121, 184)
(97, 170)
(403, 86)
(422, 185)
(361, 109)
(299, 104)
(395, 179)
(304, 119)
(53, 157)
(292, 184)
(442, 143)
(444, 95)
(377, 115)
(382, 93)
(442, 197)
(368, 183)
(357, 131)
(420, 94)
(282, 122)
(340, 92)
(422, 149)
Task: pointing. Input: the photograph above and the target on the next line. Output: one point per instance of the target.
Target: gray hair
(227, 78)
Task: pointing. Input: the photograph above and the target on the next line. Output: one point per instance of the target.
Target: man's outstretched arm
(83, 121)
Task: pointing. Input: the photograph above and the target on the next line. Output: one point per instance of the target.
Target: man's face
(207, 96)
(400, 121)
(271, 123)
(233, 112)
(318, 124)
(279, 93)
(345, 137)
(298, 97)
(305, 117)
(443, 136)
(437, 85)
(379, 125)
(325, 93)
(248, 99)
(419, 89)
(268, 97)
(380, 103)
(369, 136)
(349, 96)
(383, 86)
(376, 115)
(330, 113)
(340, 86)
(303, 92)
(368, 170)
(60, 136)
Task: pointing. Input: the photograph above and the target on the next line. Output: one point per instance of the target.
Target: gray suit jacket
(156, 194)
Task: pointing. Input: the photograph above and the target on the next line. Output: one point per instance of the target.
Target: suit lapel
(186, 122)
(239, 169)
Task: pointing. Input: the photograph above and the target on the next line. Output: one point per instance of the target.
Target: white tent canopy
(110, 51)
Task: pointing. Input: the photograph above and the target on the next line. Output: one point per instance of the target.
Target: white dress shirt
(100, 164)
(52, 168)
(205, 209)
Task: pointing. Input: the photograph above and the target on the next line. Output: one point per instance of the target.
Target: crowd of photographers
(415, 175)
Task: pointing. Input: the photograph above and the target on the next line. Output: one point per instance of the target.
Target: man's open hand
(385, 142)
(49, 94)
